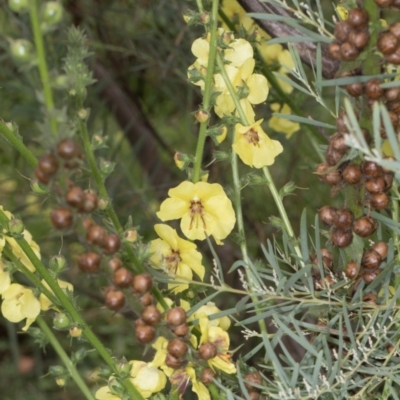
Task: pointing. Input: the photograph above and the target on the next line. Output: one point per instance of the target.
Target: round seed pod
(321, 171)
(355, 89)
(369, 276)
(145, 333)
(342, 31)
(379, 201)
(334, 51)
(253, 395)
(87, 223)
(251, 379)
(114, 300)
(111, 244)
(68, 149)
(340, 123)
(394, 58)
(343, 219)
(115, 263)
(387, 43)
(373, 89)
(365, 226)
(96, 235)
(326, 215)
(122, 277)
(176, 316)
(371, 169)
(332, 156)
(327, 259)
(146, 299)
(388, 178)
(181, 330)
(395, 29)
(375, 185)
(177, 347)
(348, 52)
(207, 376)
(371, 259)
(41, 176)
(359, 39)
(390, 348)
(48, 163)
(352, 174)
(392, 94)
(207, 351)
(61, 218)
(89, 262)
(394, 119)
(337, 143)
(341, 238)
(173, 362)
(370, 298)
(333, 178)
(142, 283)
(89, 203)
(351, 270)
(358, 18)
(394, 106)
(139, 322)
(150, 315)
(381, 248)
(75, 196)
(384, 3)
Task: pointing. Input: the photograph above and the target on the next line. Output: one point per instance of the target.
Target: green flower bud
(123, 367)
(115, 387)
(21, 50)
(75, 331)
(61, 322)
(83, 114)
(103, 204)
(15, 226)
(106, 167)
(38, 188)
(57, 370)
(79, 355)
(52, 12)
(57, 263)
(19, 6)
(202, 116)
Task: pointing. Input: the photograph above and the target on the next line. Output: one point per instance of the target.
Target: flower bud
(21, 50)
(57, 263)
(75, 331)
(123, 367)
(205, 18)
(61, 321)
(83, 114)
(131, 236)
(19, 6)
(106, 167)
(202, 116)
(52, 12)
(15, 226)
(37, 188)
(115, 263)
(181, 330)
(343, 219)
(179, 160)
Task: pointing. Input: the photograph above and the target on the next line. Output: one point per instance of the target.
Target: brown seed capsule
(379, 201)
(337, 142)
(122, 277)
(89, 262)
(370, 276)
(327, 259)
(392, 94)
(181, 330)
(388, 178)
(342, 31)
(111, 244)
(381, 248)
(373, 89)
(115, 263)
(352, 174)
(114, 300)
(251, 379)
(139, 322)
(146, 299)
(333, 156)
(173, 362)
(371, 259)
(384, 3)
(351, 270)
(390, 348)
(334, 51)
(177, 347)
(348, 52)
(359, 39)
(75, 196)
(48, 163)
(340, 123)
(145, 333)
(370, 298)
(321, 171)
(394, 107)
(341, 238)
(253, 395)
(375, 185)
(61, 218)
(355, 89)
(387, 43)
(41, 176)
(142, 283)
(343, 219)
(395, 29)
(89, 203)
(68, 149)
(365, 226)
(176, 316)
(371, 169)
(394, 58)
(151, 315)
(87, 223)
(326, 215)
(207, 376)
(358, 18)
(96, 235)
(207, 351)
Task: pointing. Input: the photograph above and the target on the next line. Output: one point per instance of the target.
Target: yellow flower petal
(240, 50)
(147, 380)
(201, 49)
(104, 394)
(11, 311)
(172, 209)
(197, 387)
(258, 86)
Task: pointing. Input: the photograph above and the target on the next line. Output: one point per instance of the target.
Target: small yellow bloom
(254, 147)
(282, 124)
(204, 209)
(209, 309)
(222, 136)
(104, 393)
(342, 11)
(176, 256)
(45, 302)
(5, 280)
(19, 303)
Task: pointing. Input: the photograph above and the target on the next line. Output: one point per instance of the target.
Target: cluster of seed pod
(351, 36)
(388, 43)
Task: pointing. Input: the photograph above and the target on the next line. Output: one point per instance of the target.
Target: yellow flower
(181, 378)
(104, 394)
(19, 303)
(176, 256)
(282, 124)
(209, 309)
(342, 11)
(5, 280)
(45, 302)
(234, 11)
(222, 136)
(182, 303)
(254, 147)
(204, 209)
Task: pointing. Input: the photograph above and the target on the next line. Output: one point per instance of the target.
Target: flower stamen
(252, 137)
(172, 260)
(196, 209)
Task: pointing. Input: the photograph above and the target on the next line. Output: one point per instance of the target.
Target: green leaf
(303, 120)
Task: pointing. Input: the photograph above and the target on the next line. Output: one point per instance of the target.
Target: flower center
(172, 261)
(196, 212)
(252, 136)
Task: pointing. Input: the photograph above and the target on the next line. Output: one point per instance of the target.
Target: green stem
(70, 308)
(207, 88)
(18, 144)
(42, 64)
(65, 359)
(214, 392)
(110, 210)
